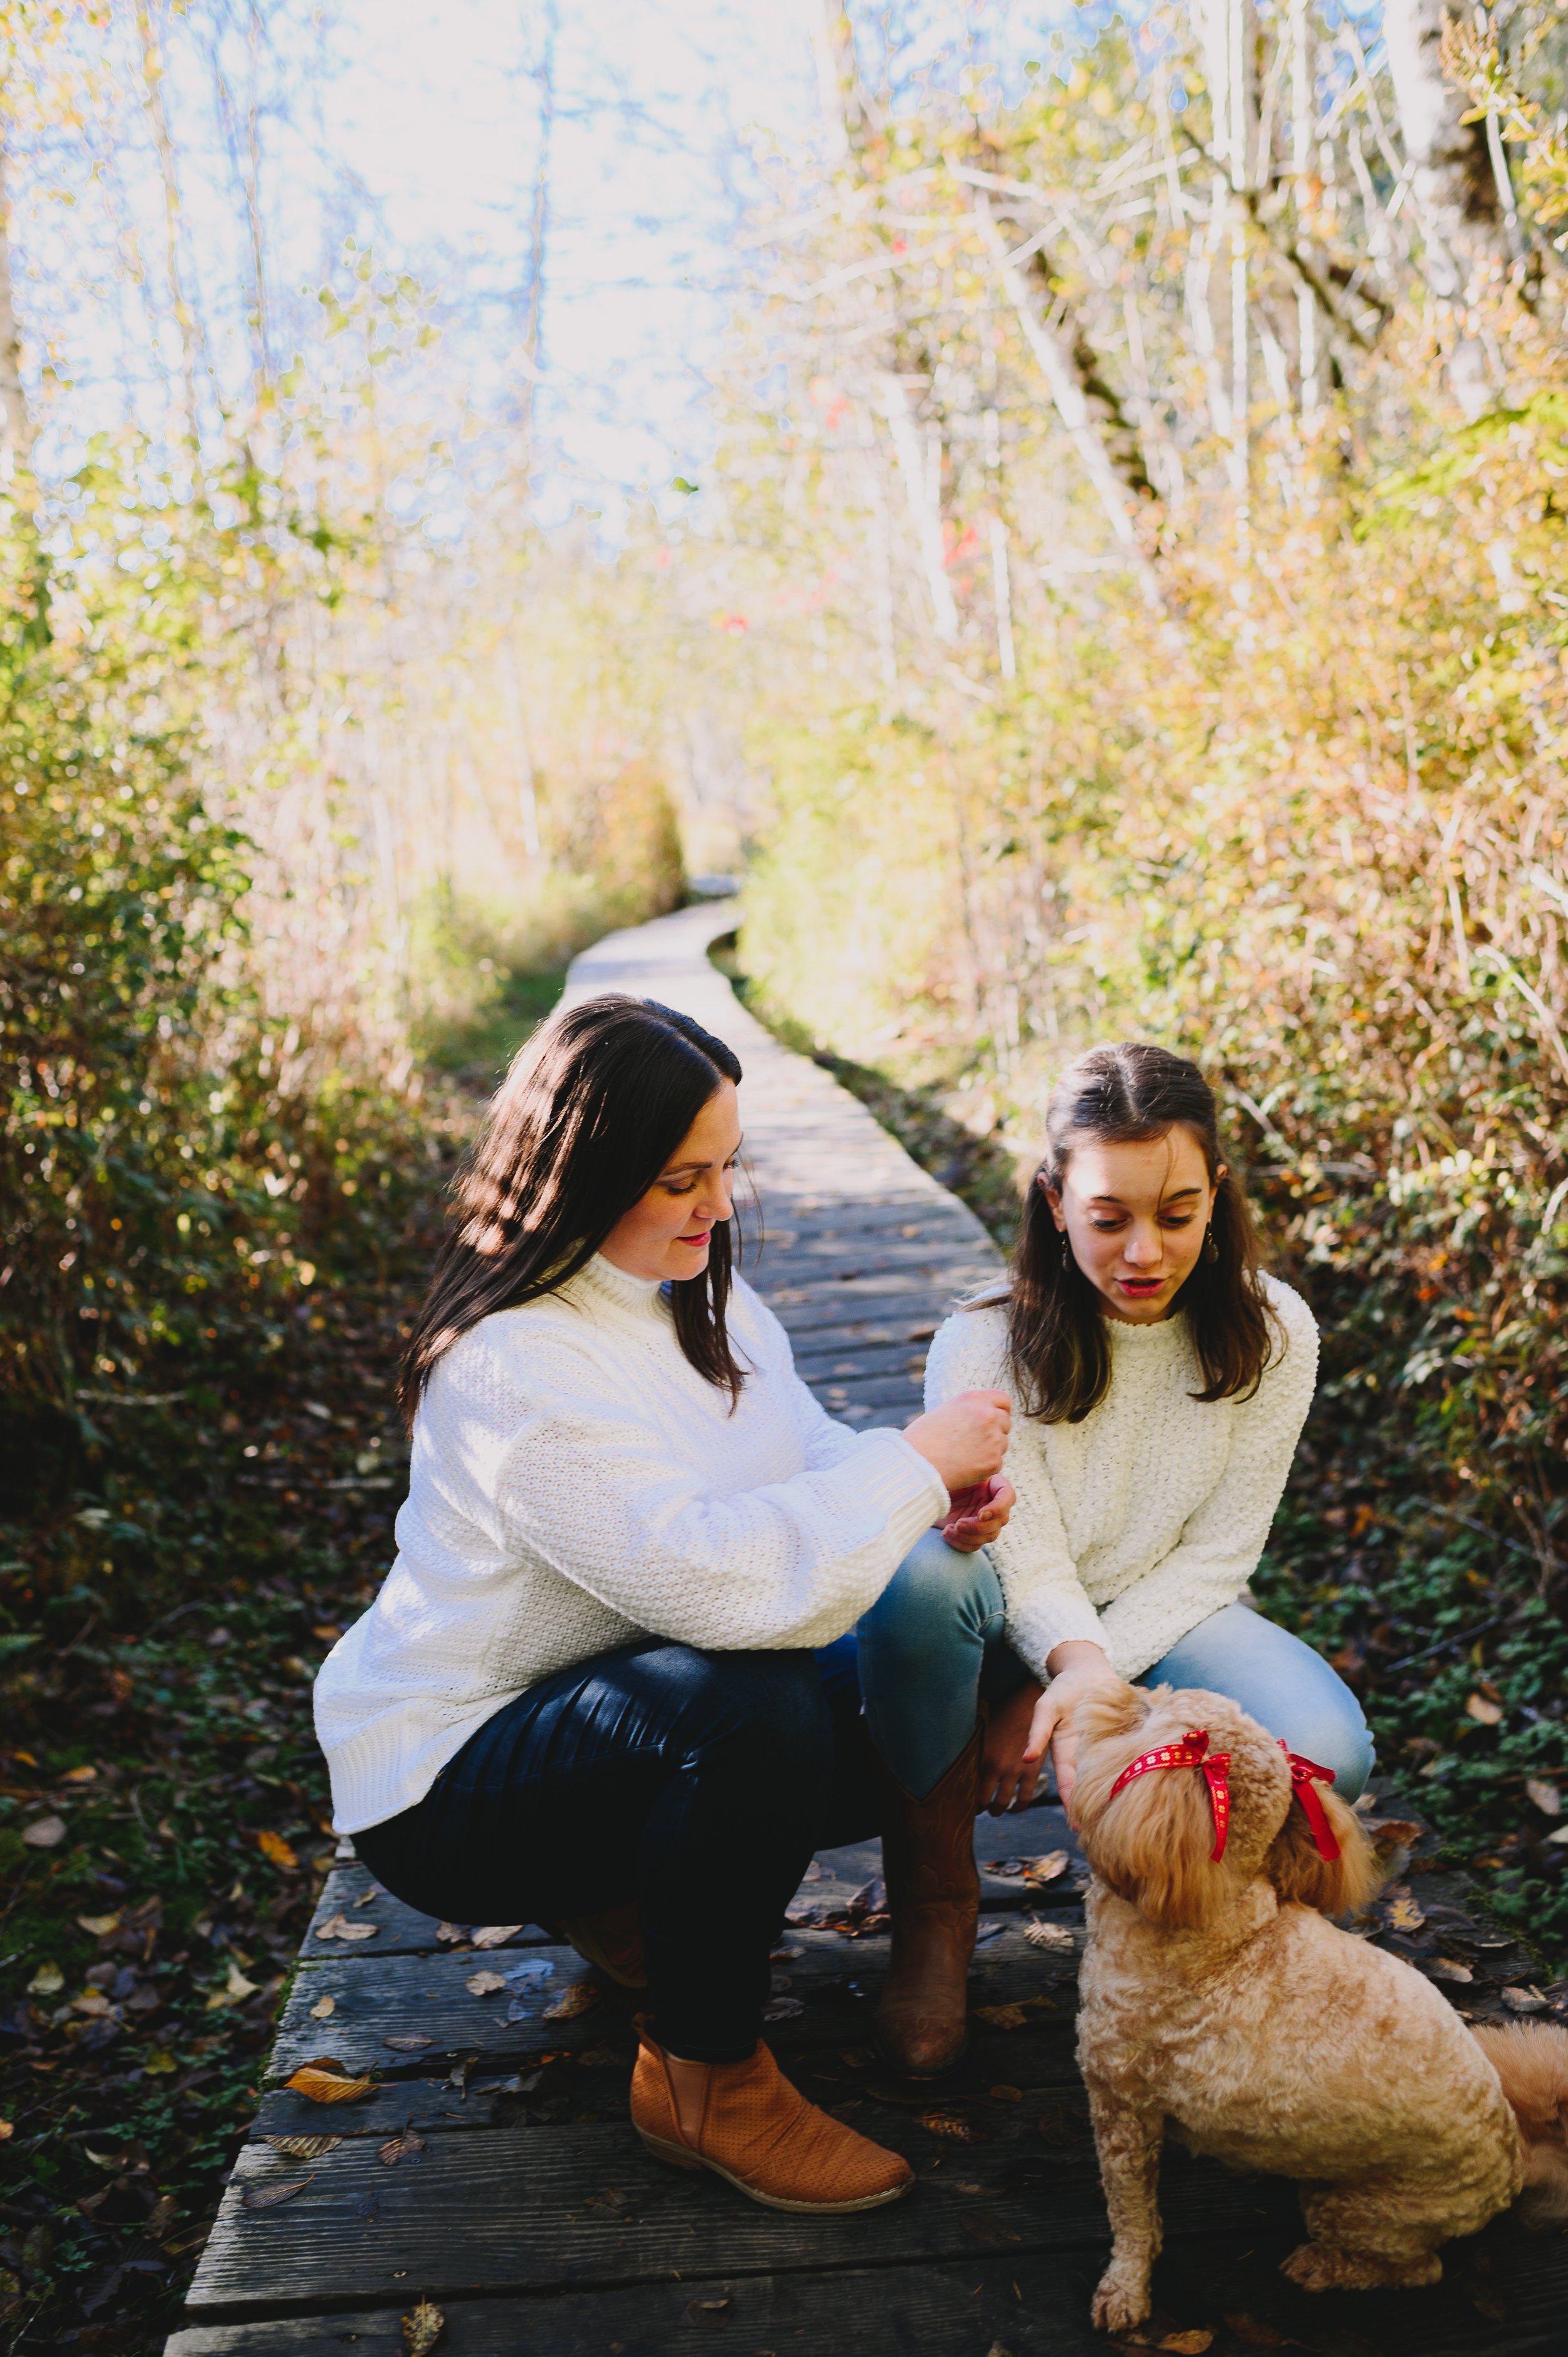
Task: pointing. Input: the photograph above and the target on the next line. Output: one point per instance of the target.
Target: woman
(586, 1692)
(1159, 1384)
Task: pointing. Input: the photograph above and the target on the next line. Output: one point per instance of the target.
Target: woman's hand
(1077, 1669)
(1007, 1773)
(966, 1439)
(975, 1515)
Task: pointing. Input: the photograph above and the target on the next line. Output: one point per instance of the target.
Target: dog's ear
(1152, 1842)
(1332, 1884)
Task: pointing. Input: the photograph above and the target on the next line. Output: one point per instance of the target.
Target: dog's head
(1152, 1834)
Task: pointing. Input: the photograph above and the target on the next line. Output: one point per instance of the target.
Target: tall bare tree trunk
(538, 239)
(1453, 179)
(17, 425)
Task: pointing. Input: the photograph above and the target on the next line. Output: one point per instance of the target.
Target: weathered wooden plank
(833, 1980)
(1026, 2305)
(540, 2209)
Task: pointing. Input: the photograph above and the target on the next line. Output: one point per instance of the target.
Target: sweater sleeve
(1046, 1602)
(824, 1440)
(592, 1490)
(1220, 1543)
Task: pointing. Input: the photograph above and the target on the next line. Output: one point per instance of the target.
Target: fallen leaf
(1446, 1968)
(1484, 1712)
(267, 2197)
(1547, 1797)
(402, 2148)
(451, 1935)
(305, 2148)
(1260, 2335)
(1048, 1869)
(714, 2313)
(496, 1935)
(337, 1927)
(1006, 2095)
(80, 1776)
(237, 1984)
(1401, 1912)
(581, 1998)
(484, 1983)
(327, 2087)
(1054, 1938)
(323, 2009)
(421, 2329)
(159, 2061)
(276, 1850)
(99, 1926)
(779, 2009)
(7, 2130)
(366, 1897)
(538, 1968)
(1187, 2344)
(943, 2124)
(858, 2058)
(47, 1981)
(411, 2044)
(44, 1832)
(1524, 2000)
(1559, 1837)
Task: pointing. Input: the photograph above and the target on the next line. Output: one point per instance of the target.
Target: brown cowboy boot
(933, 1897)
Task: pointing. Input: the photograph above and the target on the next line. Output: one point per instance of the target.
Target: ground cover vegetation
(1145, 480)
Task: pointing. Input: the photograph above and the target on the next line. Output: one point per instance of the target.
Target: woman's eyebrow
(676, 1169)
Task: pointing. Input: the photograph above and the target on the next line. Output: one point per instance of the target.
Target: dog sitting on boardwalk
(1217, 2000)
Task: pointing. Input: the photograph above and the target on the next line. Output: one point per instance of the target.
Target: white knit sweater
(1137, 1524)
(574, 1484)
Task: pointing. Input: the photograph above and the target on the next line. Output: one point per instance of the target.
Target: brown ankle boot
(612, 1940)
(762, 2137)
(933, 1897)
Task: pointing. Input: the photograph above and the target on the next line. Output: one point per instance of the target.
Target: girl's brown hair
(1059, 1354)
(589, 1114)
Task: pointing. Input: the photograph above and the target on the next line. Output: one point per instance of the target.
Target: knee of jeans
(1340, 1738)
(934, 1593)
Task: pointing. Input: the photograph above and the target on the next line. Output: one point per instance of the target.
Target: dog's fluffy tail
(1531, 2060)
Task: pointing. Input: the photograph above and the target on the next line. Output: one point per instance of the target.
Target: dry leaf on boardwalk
(276, 1850)
(714, 2313)
(305, 2147)
(496, 1935)
(365, 1897)
(1525, 2000)
(322, 2010)
(1446, 1968)
(943, 2124)
(1188, 2344)
(451, 1935)
(1016, 2016)
(421, 2329)
(580, 1998)
(337, 1927)
(778, 2009)
(411, 2044)
(1006, 2095)
(402, 2148)
(1401, 1912)
(484, 1983)
(327, 2086)
(267, 2197)
(1055, 1939)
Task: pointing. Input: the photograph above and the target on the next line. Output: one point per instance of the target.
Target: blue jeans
(931, 1648)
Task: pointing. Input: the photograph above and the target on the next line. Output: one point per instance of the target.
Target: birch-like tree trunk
(13, 400)
(1452, 179)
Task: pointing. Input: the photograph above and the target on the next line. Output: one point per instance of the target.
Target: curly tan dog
(1219, 2002)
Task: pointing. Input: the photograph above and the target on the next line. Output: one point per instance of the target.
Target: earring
(1210, 1249)
(1066, 1248)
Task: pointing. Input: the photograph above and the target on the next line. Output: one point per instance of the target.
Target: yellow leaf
(422, 2330)
(1188, 2344)
(80, 1776)
(327, 2086)
(304, 2147)
(581, 1998)
(319, 2012)
(1484, 1712)
(47, 1981)
(7, 2129)
(276, 1850)
(99, 1925)
(158, 2062)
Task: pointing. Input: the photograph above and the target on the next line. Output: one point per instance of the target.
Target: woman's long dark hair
(1058, 1345)
(589, 1114)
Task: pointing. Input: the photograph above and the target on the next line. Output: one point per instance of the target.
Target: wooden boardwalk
(491, 2169)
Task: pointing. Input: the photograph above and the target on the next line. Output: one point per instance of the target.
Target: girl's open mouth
(1141, 1285)
(705, 1238)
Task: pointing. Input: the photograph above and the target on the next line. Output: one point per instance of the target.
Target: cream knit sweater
(574, 1484)
(1137, 1524)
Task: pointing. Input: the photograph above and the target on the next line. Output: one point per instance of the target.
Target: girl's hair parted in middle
(1057, 1342)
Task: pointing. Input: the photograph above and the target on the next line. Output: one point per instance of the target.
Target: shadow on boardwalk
(491, 2168)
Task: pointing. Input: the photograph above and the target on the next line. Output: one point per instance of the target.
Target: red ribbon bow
(1193, 1751)
(1306, 1775)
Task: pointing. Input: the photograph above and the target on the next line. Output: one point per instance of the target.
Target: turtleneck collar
(602, 1285)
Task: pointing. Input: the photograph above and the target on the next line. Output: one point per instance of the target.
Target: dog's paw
(1317, 2266)
(1121, 2299)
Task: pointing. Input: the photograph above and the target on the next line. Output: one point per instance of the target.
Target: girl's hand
(966, 1439)
(1076, 1668)
(975, 1515)
(1007, 1778)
